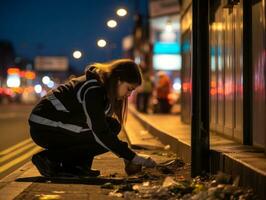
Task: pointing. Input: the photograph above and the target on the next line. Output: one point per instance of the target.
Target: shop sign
(163, 7)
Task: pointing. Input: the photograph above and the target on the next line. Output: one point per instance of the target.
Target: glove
(147, 162)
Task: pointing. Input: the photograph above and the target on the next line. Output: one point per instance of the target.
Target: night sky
(57, 27)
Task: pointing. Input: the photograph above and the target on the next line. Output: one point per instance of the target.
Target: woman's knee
(38, 137)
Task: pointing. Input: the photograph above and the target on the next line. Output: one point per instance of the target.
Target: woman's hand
(140, 160)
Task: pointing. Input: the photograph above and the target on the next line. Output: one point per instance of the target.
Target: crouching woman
(82, 118)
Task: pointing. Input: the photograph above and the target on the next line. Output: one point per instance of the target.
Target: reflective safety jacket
(77, 106)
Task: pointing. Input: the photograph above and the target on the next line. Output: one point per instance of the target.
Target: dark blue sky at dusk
(57, 27)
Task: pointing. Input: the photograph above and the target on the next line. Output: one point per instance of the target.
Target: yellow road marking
(12, 148)
(16, 152)
(19, 159)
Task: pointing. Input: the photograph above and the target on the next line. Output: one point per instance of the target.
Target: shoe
(46, 167)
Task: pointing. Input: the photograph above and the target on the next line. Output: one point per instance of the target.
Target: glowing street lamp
(111, 23)
(46, 80)
(38, 88)
(121, 12)
(77, 54)
(101, 43)
(50, 84)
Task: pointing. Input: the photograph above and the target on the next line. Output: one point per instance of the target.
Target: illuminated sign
(167, 62)
(166, 48)
(51, 63)
(13, 71)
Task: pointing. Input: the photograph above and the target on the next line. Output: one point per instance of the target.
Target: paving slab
(26, 183)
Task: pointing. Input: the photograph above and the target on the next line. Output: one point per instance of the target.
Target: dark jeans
(164, 105)
(142, 101)
(68, 147)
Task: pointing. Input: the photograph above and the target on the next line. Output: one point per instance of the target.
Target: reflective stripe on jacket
(77, 106)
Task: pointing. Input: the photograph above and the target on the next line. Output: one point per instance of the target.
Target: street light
(111, 23)
(38, 88)
(121, 12)
(101, 43)
(77, 54)
(46, 80)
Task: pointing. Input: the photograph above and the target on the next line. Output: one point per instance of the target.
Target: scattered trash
(161, 153)
(115, 193)
(223, 178)
(147, 183)
(165, 182)
(184, 190)
(168, 181)
(125, 187)
(236, 181)
(108, 185)
(135, 187)
(149, 174)
(170, 167)
(167, 147)
(129, 195)
(174, 163)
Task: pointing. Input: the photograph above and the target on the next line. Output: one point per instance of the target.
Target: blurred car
(29, 96)
(6, 95)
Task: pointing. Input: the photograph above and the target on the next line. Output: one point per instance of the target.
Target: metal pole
(247, 72)
(200, 88)
(264, 42)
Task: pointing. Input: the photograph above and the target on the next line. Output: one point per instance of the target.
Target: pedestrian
(144, 93)
(82, 118)
(163, 89)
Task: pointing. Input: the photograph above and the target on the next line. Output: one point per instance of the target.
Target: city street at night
(133, 99)
(16, 147)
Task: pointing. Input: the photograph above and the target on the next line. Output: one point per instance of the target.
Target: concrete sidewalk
(154, 133)
(26, 182)
(226, 155)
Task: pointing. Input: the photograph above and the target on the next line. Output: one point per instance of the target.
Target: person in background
(144, 93)
(163, 89)
(82, 118)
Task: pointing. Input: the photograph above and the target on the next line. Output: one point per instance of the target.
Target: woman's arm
(93, 106)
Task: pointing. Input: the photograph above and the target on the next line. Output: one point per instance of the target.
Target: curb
(219, 161)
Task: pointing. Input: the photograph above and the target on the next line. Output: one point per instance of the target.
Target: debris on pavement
(108, 185)
(167, 147)
(163, 153)
(163, 182)
(115, 193)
